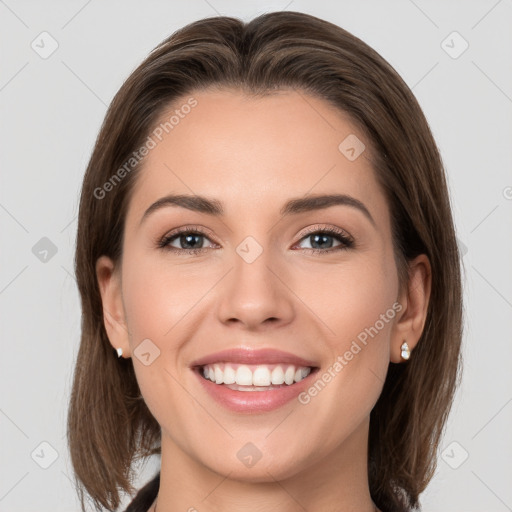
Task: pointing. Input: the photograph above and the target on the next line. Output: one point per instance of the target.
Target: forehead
(251, 151)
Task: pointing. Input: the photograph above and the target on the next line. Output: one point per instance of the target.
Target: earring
(119, 352)
(406, 352)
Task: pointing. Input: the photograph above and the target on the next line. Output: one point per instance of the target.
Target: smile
(274, 377)
(243, 377)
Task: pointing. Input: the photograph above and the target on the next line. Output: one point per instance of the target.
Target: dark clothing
(145, 497)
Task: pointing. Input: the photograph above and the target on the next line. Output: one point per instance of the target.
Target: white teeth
(229, 375)
(301, 373)
(243, 376)
(289, 375)
(259, 376)
(218, 374)
(277, 375)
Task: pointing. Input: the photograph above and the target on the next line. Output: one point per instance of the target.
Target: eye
(190, 240)
(185, 240)
(321, 240)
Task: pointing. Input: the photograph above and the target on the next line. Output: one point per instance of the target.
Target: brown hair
(109, 424)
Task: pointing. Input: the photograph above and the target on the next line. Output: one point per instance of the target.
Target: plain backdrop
(457, 58)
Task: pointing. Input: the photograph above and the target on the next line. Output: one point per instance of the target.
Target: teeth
(260, 376)
(229, 375)
(289, 374)
(219, 377)
(243, 376)
(277, 375)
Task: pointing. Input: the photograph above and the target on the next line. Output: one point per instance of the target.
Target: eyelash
(346, 240)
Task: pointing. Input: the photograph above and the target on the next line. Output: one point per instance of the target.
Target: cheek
(353, 301)
(358, 304)
(156, 300)
(157, 297)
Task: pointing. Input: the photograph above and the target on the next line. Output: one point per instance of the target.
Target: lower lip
(254, 401)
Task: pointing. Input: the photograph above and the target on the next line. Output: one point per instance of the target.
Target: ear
(109, 281)
(414, 300)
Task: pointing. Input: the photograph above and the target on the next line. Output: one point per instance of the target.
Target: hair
(109, 424)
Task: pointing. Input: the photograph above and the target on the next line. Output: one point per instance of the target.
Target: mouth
(251, 381)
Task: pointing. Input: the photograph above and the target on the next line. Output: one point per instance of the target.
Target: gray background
(51, 110)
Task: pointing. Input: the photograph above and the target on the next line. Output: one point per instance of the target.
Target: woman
(265, 238)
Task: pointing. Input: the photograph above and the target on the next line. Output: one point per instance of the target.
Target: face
(313, 286)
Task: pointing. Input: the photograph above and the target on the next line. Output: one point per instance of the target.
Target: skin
(253, 155)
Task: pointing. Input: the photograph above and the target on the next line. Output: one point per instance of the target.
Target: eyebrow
(295, 206)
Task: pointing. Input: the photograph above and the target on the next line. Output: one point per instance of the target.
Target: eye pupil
(319, 240)
(185, 240)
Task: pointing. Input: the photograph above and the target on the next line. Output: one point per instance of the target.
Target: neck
(336, 482)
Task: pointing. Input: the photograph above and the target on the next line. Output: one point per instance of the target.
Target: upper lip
(253, 356)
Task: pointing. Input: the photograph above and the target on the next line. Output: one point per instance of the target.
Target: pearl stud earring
(119, 352)
(406, 352)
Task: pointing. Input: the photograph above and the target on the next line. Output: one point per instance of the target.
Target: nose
(256, 294)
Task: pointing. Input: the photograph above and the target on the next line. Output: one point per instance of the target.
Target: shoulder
(146, 496)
